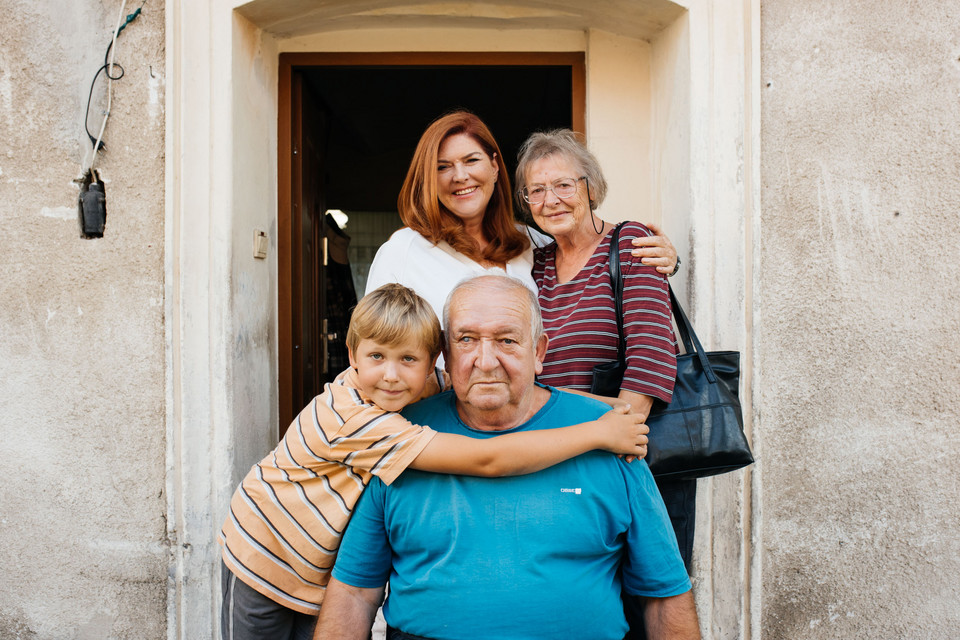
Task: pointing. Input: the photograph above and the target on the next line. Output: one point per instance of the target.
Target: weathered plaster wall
(253, 282)
(670, 124)
(859, 391)
(82, 536)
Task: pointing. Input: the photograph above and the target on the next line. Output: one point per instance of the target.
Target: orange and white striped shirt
(288, 515)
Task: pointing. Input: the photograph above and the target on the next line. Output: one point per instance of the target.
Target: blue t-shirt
(520, 557)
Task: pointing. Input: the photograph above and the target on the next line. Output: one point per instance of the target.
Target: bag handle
(616, 281)
(689, 337)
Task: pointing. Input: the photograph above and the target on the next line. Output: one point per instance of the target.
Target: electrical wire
(111, 50)
(109, 68)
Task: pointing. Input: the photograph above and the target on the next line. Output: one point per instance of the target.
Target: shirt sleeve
(651, 346)
(342, 426)
(652, 566)
(364, 559)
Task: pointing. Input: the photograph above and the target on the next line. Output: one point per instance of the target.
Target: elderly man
(536, 556)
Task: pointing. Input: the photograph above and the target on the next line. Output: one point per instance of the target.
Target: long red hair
(420, 207)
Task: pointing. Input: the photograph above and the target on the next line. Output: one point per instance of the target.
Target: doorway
(348, 126)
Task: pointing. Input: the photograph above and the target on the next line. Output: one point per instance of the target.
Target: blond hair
(394, 314)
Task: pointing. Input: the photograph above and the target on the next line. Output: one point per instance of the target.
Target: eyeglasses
(562, 188)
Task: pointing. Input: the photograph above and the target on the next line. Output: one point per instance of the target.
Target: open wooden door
(333, 148)
(303, 346)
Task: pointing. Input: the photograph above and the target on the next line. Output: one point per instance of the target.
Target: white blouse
(433, 270)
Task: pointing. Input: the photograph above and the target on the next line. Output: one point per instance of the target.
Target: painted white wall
(415, 38)
(670, 143)
(618, 122)
(722, 180)
(253, 280)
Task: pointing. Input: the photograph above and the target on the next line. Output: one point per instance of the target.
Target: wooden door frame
(287, 241)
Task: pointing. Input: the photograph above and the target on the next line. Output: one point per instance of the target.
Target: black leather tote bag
(700, 432)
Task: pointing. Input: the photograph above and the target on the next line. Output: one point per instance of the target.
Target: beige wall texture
(83, 549)
(859, 319)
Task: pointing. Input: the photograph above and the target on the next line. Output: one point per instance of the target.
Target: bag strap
(689, 337)
(616, 281)
(691, 343)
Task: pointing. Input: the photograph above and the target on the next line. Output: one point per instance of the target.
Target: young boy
(286, 518)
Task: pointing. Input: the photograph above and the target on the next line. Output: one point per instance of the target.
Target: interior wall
(367, 231)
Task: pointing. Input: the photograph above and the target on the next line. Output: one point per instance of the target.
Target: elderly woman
(456, 203)
(560, 183)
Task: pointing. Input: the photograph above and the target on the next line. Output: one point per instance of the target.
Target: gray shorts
(247, 614)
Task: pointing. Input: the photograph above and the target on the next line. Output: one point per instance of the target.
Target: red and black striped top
(580, 320)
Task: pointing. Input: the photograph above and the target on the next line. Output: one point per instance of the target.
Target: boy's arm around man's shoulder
(528, 451)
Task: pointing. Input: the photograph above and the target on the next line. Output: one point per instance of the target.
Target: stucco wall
(859, 312)
(83, 548)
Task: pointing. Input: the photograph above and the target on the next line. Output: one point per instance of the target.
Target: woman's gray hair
(565, 144)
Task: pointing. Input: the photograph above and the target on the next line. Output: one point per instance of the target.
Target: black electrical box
(93, 210)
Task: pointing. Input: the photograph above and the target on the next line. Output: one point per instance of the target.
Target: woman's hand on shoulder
(656, 250)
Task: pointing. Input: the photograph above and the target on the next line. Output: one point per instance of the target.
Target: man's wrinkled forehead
(478, 295)
(496, 310)
(474, 324)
